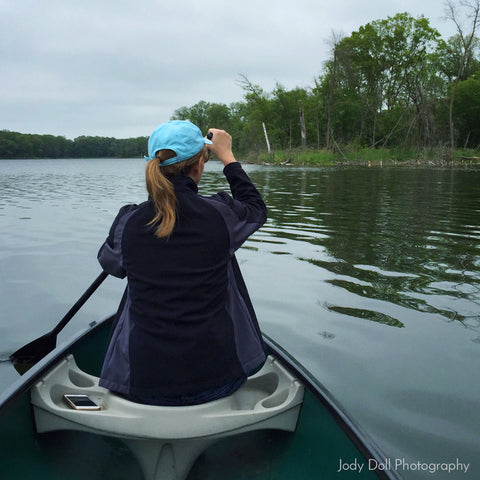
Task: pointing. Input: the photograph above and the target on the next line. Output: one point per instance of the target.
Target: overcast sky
(120, 67)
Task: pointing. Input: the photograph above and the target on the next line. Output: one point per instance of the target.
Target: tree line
(23, 145)
(394, 83)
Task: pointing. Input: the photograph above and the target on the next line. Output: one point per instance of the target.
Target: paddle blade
(34, 351)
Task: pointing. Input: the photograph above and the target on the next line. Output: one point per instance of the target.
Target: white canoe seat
(168, 440)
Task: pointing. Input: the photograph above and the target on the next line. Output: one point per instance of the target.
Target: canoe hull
(325, 435)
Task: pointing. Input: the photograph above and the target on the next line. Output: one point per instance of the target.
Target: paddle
(39, 348)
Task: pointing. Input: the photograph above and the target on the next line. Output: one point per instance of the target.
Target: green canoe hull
(325, 435)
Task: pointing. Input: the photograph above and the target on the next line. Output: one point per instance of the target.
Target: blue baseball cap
(181, 136)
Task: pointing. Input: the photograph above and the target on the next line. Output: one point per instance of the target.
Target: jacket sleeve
(246, 211)
(110, 254)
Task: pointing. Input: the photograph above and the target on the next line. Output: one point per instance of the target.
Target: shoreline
(369, 158)
(370, 164)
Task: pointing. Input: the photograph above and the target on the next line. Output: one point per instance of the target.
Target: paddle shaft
(34, 351)
(79, 303)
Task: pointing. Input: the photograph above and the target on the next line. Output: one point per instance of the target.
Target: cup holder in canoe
(79, 379)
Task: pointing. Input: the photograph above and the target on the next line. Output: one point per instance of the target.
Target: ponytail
(161, 191)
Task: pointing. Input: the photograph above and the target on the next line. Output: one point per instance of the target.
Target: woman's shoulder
(132, 207)
(132, 210)
(125, 212)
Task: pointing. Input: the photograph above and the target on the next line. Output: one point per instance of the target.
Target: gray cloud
(120, 67)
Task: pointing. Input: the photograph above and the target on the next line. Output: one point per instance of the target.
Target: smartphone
(80, 402)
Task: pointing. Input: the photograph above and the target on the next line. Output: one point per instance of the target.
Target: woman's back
(186, 324)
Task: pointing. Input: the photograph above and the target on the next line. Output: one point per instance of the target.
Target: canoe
(325, 443)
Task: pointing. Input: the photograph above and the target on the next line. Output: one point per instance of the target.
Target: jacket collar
(183, 182)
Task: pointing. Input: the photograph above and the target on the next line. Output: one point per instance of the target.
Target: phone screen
(81, 402)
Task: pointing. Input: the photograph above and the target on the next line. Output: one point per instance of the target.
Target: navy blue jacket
(186, 323)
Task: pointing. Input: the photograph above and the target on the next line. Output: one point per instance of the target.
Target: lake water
(369, 276)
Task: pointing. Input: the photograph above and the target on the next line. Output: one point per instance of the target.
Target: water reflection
(407, 237)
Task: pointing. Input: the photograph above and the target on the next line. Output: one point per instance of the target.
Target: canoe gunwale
(358, 435)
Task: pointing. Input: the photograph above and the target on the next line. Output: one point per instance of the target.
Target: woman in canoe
(185, 331)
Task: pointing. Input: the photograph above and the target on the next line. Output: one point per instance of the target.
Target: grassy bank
(369, 156)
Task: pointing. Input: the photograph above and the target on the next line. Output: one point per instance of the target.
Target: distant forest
(23, 145)
(393, 84)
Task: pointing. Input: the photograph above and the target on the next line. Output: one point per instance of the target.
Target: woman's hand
(221, 145)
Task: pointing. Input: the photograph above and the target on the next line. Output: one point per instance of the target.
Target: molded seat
(168, 440)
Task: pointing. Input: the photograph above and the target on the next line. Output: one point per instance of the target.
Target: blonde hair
(160, 188)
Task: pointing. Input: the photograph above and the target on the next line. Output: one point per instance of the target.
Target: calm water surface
(369, 276)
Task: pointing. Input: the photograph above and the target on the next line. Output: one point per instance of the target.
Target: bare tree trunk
(336, 38)
(266, 138)
(424, 117)
(302, 125)
(450, 115)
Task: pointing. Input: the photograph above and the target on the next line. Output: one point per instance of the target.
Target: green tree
(257, 112)
(198, 114)
(286, 125)
(217, 115)
(452, 56)
(386, 66)
(466, 111)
